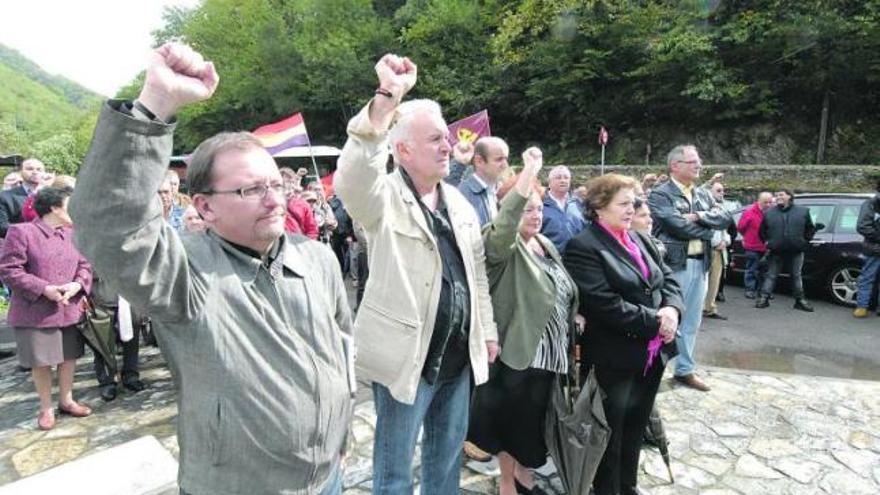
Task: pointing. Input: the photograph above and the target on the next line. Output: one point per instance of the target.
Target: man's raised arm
(116, 212)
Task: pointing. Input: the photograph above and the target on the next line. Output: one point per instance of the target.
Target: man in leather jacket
(685, 220)
(787, 229)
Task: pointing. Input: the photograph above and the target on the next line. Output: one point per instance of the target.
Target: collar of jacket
(247, 266)
(417, 207)
(624, 255)
(49, 231)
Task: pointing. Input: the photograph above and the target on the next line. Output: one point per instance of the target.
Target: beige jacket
(396, 318)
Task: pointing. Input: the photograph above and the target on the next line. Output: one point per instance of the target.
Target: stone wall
(745, 180)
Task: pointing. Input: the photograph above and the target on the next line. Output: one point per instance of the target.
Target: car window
(847, 219)
(821, 214)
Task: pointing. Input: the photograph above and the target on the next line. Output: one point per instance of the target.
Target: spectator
(105, 297)
(563, 218)
(648, 183)
(490, 161)
(425, 324)
(869, 226)
(644, 224)
(11, 200)
(534, 300)
(172, 213)
(754, 247)
(787, 229)
(460, 168)
(720, 258)
(300, 219)
(685, 220)
(58, 182)
(48, 278)
(632, 303)
(192, 221)
(253, 323)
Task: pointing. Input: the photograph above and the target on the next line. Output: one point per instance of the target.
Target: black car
(834, 259)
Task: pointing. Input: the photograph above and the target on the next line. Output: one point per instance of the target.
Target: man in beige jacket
(425, 323)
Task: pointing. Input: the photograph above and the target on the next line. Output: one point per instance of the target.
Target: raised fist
(463, 152)
(396, 74)
(533, 159)
(177, 76)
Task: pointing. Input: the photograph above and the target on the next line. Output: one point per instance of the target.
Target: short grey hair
(677, 153)
(403, 119)
(558, 170)
(199, 172)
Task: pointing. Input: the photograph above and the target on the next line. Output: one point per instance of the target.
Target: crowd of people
(475, 287)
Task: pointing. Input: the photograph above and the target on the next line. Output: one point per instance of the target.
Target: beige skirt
(47, 346)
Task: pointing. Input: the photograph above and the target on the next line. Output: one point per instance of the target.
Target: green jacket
(523, 295)
(256, 351)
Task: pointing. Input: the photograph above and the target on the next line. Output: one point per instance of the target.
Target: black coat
(787, 230)
(11, 202)
(620, 306)
(869, 225)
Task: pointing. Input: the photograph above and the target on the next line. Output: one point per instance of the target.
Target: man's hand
(692, 217)
(463, 152)
(397, 76)
(177, 76)
(493, 349)
(580, 324)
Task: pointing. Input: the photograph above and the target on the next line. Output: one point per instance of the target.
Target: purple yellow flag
(287, 133)
(470, 128)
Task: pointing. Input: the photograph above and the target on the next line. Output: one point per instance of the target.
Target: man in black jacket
(12, 200)
(869, 226)
(787, 229)
(685, 220)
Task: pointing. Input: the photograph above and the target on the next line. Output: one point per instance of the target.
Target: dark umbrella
(655, 435)
(97, 329)
(576, 431)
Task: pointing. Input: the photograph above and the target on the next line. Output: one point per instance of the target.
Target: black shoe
(762, 302)
(7, 354)
(803, 305)
(715, 316)
(23, 369)
(720, 297)
(134, 385)
(108, 392)
(750, 294)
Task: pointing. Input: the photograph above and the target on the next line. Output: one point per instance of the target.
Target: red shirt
(300, 218)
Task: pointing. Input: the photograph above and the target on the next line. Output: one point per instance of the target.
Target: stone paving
(752, 434)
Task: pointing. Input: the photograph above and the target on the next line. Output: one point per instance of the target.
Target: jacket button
(647, 292)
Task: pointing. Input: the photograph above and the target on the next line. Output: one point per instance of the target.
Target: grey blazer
(256, 351)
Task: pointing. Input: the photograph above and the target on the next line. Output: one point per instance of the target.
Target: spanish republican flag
(287, 133)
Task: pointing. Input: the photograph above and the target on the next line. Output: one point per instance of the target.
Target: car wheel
(842, 284)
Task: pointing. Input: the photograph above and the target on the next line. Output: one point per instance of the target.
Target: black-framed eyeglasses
(255, 191)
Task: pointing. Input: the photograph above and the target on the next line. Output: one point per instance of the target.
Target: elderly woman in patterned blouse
(534, 302)
(48, 278)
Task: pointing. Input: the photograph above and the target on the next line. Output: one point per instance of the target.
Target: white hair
(677, 153)
(403, 118)
(558, 170)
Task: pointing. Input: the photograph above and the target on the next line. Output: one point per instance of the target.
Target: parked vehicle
(834, 259)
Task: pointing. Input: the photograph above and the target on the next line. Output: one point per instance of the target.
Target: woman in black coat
(632, 308)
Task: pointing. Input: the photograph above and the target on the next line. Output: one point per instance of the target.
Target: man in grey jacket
(253, 323)
(685, 220)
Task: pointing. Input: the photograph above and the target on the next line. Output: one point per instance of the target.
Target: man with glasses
(253, 322)
(685, 220)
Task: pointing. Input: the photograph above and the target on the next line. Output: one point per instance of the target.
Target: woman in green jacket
(534, 302)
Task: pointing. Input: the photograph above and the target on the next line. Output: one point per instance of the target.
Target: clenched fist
(177, 76)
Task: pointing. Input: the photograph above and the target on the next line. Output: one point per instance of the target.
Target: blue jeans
(755, 271)
(443, 410)
(795, 261)
(693, 282)
(867, 280)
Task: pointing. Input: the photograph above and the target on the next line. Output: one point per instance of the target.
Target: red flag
(603, 136)
(470, 128)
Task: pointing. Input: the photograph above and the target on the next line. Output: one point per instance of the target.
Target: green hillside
(43, 115)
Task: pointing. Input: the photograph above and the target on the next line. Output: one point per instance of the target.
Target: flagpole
(602, 166)
(314, 164)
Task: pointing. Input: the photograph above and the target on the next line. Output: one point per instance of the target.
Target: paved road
(828, 342)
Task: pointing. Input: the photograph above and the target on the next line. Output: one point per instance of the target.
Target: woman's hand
(668, 317)
(53, 293)
(69, 290)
